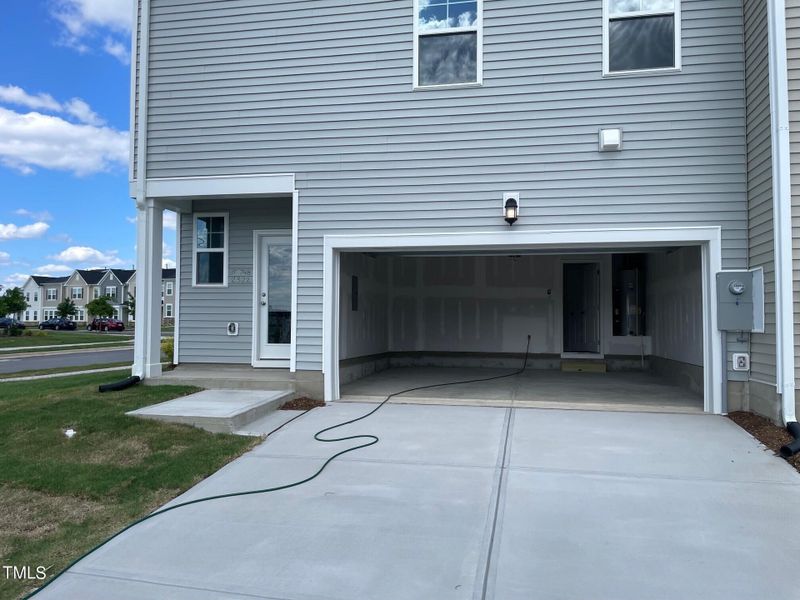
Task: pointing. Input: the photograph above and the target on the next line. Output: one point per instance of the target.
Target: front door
(582, 307)
(275, 298)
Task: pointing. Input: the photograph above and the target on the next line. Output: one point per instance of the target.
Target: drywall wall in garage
(363, 331)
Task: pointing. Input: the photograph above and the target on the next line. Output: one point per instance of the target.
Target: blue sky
(64, 119)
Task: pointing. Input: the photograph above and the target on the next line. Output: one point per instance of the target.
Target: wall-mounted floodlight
(511, 207)
(610, 140)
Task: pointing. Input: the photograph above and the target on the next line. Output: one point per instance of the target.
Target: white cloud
(167, 263)
(87, 256)
(131, 220)
(11, 94)
(118, 50)
(41, 215)
(86, 21)
(15, 280)
(5, 258)
(80, 109)
(36, 140)
(53, 270)
(10, 231)
(83, 112)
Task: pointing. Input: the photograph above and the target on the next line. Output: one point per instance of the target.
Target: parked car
(58, 323)
(9, 323)
(105, 324)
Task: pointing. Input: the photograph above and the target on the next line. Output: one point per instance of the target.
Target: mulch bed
(302, 404)
(766, 432)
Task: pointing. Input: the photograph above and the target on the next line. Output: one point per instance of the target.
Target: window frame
(73, 296)
(223, 250)
(170, 288)
(55, 294)
(168, 311)
(477, 28)
(114, 288)
(607, 17)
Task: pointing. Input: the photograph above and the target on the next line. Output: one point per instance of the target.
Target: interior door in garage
(581, 307)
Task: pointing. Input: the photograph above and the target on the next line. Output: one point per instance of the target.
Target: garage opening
(614, 329)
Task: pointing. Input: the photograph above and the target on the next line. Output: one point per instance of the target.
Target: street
(13, 364)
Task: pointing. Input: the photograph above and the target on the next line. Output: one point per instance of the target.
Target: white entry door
(275, 298)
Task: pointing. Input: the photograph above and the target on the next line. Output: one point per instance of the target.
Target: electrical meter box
(736, 295)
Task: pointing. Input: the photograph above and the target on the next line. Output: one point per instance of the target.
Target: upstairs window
(77, 293)
(111, 291)
(52, 293)
(210, 250)
(448, 42)
(641, 35)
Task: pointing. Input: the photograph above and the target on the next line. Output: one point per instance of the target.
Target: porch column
(147, 340)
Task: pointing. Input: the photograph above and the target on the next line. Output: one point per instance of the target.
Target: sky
(64, 141)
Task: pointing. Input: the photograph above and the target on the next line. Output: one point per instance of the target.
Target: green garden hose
(370, 440)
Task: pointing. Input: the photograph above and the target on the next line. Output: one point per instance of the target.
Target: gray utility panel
(735, 305)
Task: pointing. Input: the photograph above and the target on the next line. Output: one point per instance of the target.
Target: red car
(106, 324)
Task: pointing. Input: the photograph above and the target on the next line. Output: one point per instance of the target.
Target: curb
(67, 374)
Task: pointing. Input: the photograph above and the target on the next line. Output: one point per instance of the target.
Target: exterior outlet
(233, 329)
(741, 362)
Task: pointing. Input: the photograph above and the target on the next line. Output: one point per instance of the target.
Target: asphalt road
(10, 364)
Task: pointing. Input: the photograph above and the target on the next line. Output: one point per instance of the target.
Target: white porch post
(147, 340)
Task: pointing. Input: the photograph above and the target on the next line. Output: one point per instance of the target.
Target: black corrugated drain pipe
(792, 448)
(118, 386)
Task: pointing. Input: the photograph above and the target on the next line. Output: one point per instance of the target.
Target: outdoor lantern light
(511, 208)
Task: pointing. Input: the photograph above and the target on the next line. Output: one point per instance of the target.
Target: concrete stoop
(217, 411)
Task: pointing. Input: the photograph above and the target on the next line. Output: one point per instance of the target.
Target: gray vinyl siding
(205, 311)
(322, 89)
(759, 181)
(793, 50)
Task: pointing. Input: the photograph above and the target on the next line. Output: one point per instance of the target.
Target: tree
(101, 307)
(12, 302)
(130, 304)
(66, 308)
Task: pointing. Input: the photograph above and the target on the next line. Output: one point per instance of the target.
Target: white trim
(781, 208)
(709, 238)
(228, 185)
(477, 28)
(255, 359)
(168, 309)
(223, 250)
(177, 326)
(169, 288)
(660, 71)
(295, 270)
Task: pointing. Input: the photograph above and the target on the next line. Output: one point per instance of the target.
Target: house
(31, 289)
(408, 182)
(168, 297)
(51, 293)
(82, 287)
(115, 286)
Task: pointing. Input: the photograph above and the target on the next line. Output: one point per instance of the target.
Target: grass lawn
(58, 338)
(56, 370)
(60, 497)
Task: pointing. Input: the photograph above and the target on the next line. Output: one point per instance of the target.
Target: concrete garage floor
(535, 388)
(460, 502)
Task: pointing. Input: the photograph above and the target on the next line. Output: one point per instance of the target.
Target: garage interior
(614, 329)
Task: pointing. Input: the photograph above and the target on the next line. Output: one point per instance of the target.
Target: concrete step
(583, 365)
(218, 411)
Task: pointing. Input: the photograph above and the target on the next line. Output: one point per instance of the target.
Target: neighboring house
(168, 305)
(115, 285)
(343, 193)
(32, 292)
(51, 294)
(82, 287)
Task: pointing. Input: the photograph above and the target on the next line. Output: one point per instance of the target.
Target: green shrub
(28, 333)
(168, 348)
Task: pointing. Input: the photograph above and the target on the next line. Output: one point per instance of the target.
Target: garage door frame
(708, 238)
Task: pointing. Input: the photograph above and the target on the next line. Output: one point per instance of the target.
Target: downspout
(782, 219)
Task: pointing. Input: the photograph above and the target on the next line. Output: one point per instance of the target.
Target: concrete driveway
(471, 502)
